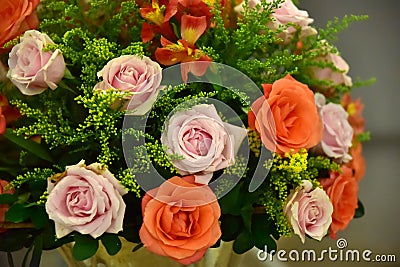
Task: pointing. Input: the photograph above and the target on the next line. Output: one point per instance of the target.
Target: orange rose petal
(149, 242)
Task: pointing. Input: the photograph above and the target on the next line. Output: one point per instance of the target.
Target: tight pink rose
(33, 70)
(336, 77)
(286, 13)
(309, 211)
(337, 134)
(205, 143)
(129, 73)
(17, 16)
(180, 220)
(86, 199)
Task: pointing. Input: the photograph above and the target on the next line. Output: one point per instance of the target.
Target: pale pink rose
(337, 77)
(309, 211)
(337, 134)
(33, 70)
(130, 73)
(86, 199)
(205, 143)
(286, 13)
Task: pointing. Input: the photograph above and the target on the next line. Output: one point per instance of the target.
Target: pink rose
(86, 199)
(180, 220)
(309, 211)
(33, 70)
(4, 207)
(337, 77)
(129, 73)
(205, 143)
(289, 13)
(337, 134)
(286, 13)
(17, 16)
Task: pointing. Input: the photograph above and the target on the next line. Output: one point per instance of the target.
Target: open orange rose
(17, 16)
(342, 189)
(180, 220)
(291, 105)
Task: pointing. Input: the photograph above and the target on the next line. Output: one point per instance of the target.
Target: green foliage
(37, 174)
(360, 210)
(85, 246)
(127, 179)
(112, 243)
(333, 27)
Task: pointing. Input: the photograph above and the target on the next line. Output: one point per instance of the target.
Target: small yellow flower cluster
(296, 162)
(127, 179)
(254, 141)
(43, 198)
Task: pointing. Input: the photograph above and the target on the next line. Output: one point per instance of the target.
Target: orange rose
(17, 16)
(180, 220)
(342, 189)
(8, 114)
(4, 207)
(291, 105)
(357, 164)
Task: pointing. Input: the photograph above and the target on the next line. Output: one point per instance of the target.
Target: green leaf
(37, 251)
(112, 243)
(85, 247)
(246, 212)
(360, 210)
(230, 226)
(8, 199)
(262, 229)
(31, 146)
(39, 217)
(264, 242)
(138, 246)
(11, 170)
(15, 239)
(68, 75)
(243, 243)
(18, 213)
(230, 203)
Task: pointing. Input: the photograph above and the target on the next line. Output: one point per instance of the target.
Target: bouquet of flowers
(175, 125)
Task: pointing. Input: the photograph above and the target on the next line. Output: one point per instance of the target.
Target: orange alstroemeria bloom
(158, 15)
(185, 50)
(196, 8)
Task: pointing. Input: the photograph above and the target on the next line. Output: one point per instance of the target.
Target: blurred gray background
(372, 50)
